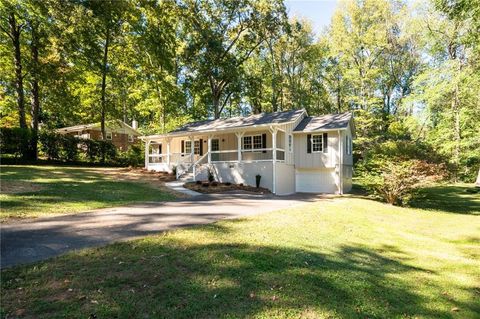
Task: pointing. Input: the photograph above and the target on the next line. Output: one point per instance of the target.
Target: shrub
(68, 147)
(91, 149)
(15, 141)
(198, 182)
(396, 181)
(228, 183)
(132, 157)
(214, 184)
(49, 145)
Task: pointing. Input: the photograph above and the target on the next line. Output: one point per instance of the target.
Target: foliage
(397, 181)
(132, 157)
(15, 141)
(50, 145)
(394, 64)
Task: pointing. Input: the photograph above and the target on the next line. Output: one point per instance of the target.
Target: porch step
(186, 177)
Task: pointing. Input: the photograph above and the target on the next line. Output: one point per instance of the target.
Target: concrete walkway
(38, 239)
(178, 187)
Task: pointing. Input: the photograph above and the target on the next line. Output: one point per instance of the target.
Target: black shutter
(160, 149)
(201, 147)
(325, 142)
(264, 141)
(183, 147)
(309, 143)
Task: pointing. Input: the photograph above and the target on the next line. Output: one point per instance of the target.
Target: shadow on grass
(457, 199)
(169, 278)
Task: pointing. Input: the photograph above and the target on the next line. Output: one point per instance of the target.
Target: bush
(49, 145)
(15, 141)
(132, 157)
(396, 181)
(68, 147)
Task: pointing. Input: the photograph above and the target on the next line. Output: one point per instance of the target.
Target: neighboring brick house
(118, 132)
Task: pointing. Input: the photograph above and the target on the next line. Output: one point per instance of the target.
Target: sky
(319, 12)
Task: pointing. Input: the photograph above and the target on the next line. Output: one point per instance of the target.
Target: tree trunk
(15, 31)
(104, 83)
(456, 131)
(35, 101)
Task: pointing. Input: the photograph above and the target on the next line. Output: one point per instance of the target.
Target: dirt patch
(215, 187)
(141, 175)
(17, 187)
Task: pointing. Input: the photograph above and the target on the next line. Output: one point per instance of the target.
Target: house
(293, 152)
(118, 132)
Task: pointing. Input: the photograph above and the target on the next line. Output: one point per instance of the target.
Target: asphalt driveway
(38, 239)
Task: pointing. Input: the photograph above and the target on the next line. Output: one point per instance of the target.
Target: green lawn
(47, 190)
(337, 258)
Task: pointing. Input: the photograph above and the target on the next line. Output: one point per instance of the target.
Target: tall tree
(222, 36)
(12, 24)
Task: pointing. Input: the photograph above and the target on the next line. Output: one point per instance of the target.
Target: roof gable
(324, 122)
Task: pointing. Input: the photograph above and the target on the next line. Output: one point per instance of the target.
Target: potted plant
(211, 178)
(258, 177)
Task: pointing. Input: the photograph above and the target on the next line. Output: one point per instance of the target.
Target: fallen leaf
(94, 301)
(455, 309)
(274, 298)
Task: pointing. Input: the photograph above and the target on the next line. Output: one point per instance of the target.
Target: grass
(48, 190)
(337, 258)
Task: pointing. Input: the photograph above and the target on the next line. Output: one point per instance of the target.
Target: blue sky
(319, 12)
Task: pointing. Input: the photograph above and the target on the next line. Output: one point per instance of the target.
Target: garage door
(315, 181)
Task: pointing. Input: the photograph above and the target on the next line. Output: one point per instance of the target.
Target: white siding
(244, 173)
(315, 160)
(284, 178)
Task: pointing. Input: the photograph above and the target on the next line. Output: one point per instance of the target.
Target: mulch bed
(215, 187)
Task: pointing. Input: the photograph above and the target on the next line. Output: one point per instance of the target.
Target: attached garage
(316, 181)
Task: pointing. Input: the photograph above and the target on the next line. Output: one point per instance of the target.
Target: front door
(215, 147)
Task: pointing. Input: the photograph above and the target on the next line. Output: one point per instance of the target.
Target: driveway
(38, 239)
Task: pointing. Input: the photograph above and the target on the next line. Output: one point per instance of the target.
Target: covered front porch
(230, 156)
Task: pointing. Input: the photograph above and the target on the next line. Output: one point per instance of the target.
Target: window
(317, 143)
(188, 147)
(247, 142)
(196, 147)
(130, 138)
(348, 145)
(109, 135)
(257, 142)
(290, 143)
(253, 142)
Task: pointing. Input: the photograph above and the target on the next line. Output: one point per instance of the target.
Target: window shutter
(309, 143)
(325, 142)
(201, 147)
(160, 149)
(183, 147)
(264, 142)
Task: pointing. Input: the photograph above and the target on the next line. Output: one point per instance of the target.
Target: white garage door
(315, 181)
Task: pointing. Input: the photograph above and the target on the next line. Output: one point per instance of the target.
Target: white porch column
(168, 152)
(274, 131)
(209, 148)
(192, 149)
(239, 145)
(147, 151)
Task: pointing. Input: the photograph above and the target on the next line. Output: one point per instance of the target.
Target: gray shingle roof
(324, 122)
(240, 121)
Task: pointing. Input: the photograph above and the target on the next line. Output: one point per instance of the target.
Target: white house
(293, 152)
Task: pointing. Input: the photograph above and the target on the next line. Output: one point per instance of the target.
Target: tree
(222, 35)
(13, 26)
